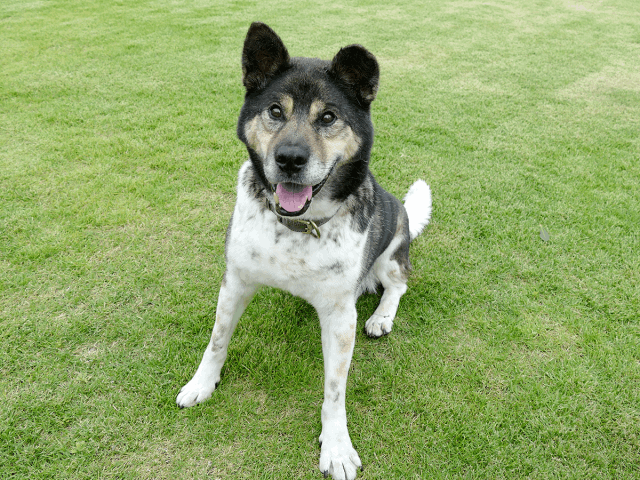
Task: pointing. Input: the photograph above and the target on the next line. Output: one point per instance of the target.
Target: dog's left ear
(358, 70)
(263, 56)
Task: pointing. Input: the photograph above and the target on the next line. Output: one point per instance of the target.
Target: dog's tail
(417, 202)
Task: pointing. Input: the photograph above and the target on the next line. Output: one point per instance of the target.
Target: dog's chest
(266, 252)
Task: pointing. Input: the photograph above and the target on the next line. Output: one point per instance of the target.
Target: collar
(309, 227)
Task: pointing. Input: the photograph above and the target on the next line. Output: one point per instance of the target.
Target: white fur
(327, 273)
(417, 202)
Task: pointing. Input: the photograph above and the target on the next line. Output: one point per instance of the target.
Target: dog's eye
(328, 118)
(275, 111)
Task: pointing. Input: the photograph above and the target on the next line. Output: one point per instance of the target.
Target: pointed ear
(263, 56)
(357, 69)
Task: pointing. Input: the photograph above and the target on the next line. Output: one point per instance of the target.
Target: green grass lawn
(511, 357)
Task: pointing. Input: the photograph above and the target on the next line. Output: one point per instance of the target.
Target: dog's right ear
(263, 56)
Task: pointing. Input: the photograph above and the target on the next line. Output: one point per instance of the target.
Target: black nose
(291, 158)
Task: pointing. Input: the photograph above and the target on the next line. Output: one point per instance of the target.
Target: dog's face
(306, 121)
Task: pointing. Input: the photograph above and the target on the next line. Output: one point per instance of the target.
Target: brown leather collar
(309, 227)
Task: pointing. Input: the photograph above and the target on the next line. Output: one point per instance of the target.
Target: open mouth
(293, 199)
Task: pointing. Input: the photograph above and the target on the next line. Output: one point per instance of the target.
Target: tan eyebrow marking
(287, 103)
(316, 108)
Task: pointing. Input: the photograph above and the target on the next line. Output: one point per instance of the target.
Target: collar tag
(298, 225)
(311, 228)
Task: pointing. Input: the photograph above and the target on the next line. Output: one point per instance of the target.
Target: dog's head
(306, 122)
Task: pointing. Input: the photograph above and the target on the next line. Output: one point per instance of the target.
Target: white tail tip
(417, 202)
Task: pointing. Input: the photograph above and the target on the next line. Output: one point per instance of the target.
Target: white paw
(339, 459)
(378, 325)
(194, 392)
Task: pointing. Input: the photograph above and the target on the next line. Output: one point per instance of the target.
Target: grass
(512, 357)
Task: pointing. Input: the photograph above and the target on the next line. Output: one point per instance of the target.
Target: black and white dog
(310, 218)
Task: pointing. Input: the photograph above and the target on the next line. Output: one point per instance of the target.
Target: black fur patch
(401, 255)
(382, 228)
(337, 268)
(357, 69)
(263, 56)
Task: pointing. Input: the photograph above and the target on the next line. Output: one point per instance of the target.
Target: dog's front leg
(337, 455)
(234, 297)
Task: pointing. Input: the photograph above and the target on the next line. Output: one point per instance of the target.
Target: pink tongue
(290, 201)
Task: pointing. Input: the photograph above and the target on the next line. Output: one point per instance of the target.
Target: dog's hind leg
(394, 282)
(234, 297)
(391, 269)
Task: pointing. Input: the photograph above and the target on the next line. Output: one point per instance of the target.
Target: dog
(310, 218)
